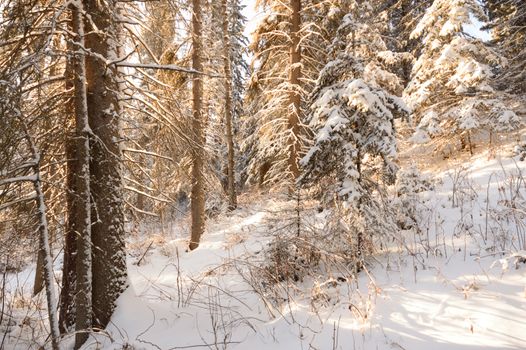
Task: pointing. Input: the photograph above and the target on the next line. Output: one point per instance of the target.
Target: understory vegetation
(314, 174)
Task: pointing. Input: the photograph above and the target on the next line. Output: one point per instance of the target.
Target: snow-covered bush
(407, 202)
(508, 216)
(290, 259)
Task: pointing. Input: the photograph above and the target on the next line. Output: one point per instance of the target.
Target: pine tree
(164, 129)
(69, 263)
(398, 19)
(508, 28)
(228, 52)
(32, 124)
(223, 94)
(240, 72)
(294, 116)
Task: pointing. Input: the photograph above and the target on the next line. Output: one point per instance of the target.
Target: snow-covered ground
(454, 286)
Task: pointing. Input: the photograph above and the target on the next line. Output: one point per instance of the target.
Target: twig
(144, 254)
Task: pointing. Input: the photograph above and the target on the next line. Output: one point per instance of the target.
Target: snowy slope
(448, 298)
(454, 286)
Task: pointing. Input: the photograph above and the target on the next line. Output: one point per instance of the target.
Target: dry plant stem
(485, 237)
(3, 297)
(144, 254)
(179, 279)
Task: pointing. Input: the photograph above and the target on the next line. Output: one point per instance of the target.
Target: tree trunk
(69, 277)
(198, 190)
(470, 144)
(44, 245)
(107, 231)
(231, 187)
(83, 300)
(48, 259)
(295, 94)
(38, 284)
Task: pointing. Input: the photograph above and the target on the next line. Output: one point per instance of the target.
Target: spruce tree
(450, 91)
(508, 28)
(352, 118)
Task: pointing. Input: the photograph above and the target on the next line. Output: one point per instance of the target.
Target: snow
(456, 302)
(459, 285)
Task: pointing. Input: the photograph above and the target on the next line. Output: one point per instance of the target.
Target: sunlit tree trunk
(198, 190)
(294, 81)
(231, 186)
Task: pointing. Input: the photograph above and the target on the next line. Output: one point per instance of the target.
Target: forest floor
(459, 285)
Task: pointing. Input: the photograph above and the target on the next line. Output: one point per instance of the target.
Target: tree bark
(198, 190)
(107, 231)
(44, 245)
(38, 284)
(294, 94)
(83, 300)
(69, 277)
(231, 186)
(48, 259)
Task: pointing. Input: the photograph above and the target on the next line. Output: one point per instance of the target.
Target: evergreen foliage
(451, 90)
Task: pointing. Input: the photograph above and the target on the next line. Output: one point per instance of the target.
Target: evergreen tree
(83, 273)
(508, 28)
(232, 24)
(450, 91)
(289, 48)
(352, 118)
(398, 18)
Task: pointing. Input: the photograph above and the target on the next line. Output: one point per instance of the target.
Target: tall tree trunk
(107, 231)
(198, 190)
(69, 277)
(231, 187)
(295, 94)
(83, 300)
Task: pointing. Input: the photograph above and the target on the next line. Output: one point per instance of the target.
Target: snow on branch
(171, 67)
